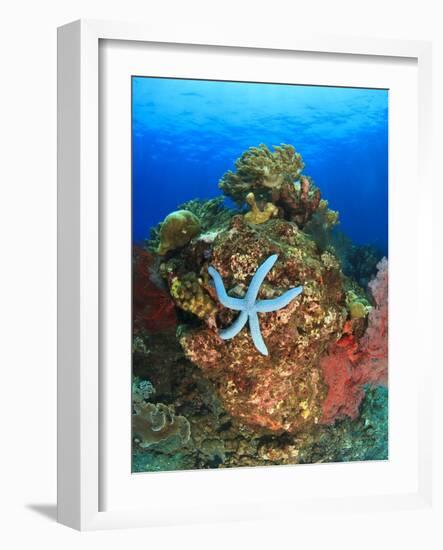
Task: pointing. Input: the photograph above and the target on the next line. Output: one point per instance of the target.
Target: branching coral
(154, 423)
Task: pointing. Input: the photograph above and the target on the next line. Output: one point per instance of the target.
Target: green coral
(259, 169)
(177, 229)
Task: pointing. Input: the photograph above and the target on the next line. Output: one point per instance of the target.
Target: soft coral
(351, 364)
(153, 308)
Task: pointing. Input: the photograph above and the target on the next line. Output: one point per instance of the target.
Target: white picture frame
(82, 396)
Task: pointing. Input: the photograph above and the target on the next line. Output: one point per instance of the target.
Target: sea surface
(188, 133)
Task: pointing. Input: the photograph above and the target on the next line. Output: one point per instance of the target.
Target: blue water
(188, 133)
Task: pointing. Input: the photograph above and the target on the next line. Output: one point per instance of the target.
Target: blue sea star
(249, 306)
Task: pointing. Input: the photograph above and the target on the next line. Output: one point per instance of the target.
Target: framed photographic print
(233, 329)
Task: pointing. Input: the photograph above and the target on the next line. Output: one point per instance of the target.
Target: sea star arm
(266, 306)
(258, 279)
(232, 303)
(235, 328)
(257, 338)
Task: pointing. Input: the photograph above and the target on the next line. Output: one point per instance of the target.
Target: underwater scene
(260, 274)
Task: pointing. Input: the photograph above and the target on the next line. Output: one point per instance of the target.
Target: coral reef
(217, 440)
(306, 380)
(176, 230)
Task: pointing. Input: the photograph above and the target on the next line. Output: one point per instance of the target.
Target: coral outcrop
(284, 391)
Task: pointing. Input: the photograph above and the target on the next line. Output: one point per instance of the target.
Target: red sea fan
(344, 394)
(350, 365)
(153, 308)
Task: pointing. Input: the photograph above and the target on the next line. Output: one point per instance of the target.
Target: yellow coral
(177, 229)
(257, 216)
(189, 295)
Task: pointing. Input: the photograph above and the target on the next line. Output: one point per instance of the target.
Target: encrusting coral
(176, 230)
